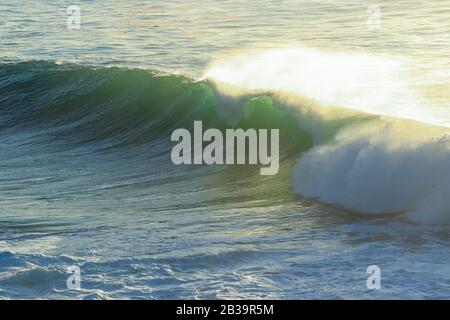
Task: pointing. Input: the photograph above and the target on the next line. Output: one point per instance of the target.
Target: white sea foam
(389, 167)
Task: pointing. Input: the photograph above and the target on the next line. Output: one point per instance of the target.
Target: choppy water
(86, 177)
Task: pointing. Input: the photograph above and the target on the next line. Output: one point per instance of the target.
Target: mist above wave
(368, 156)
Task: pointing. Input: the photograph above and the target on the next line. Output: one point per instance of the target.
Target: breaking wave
(361, 160)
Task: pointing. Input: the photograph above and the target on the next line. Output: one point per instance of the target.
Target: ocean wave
(363, 161)
(371, 163)
(378, 146)
(367, 162)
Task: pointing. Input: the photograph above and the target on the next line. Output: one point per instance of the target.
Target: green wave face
(124, 106)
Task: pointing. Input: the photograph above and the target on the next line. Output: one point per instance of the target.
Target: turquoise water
(86, 177)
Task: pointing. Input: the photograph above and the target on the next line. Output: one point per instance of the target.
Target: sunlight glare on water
(357, 81)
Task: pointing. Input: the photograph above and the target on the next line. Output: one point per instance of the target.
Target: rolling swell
(109, 106)
(118, 107)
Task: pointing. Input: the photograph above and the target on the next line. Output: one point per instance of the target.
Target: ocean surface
(359, 91)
